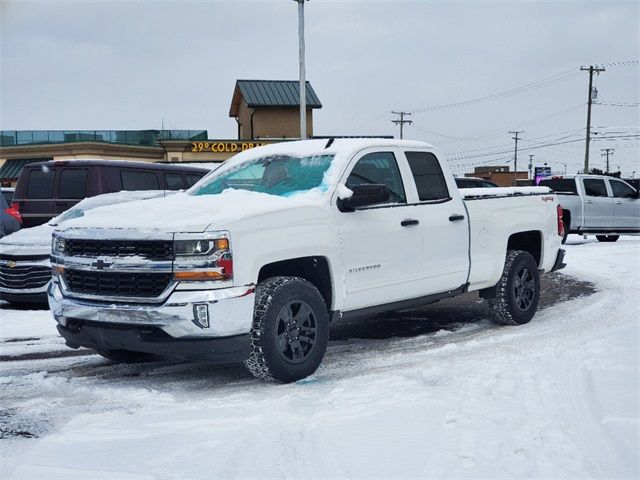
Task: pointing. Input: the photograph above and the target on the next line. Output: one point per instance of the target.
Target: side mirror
(364, 196)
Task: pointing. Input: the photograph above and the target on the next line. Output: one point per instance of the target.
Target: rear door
(443, 223)
(38, 205)
(71, 187)
(598, 205)
(381, 248)
(626, 205)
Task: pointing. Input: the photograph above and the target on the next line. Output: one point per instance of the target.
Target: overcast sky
(131, 65)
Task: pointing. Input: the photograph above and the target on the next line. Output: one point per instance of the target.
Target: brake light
(560, 221)
(14, 211)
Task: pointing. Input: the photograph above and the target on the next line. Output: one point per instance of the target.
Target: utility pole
(606, 153)
(530, 166)
(402, 121)
(565, 168)
(591, 69)
(303, 80)
(515, 156)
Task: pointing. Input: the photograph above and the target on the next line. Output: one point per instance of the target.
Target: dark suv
(47, 189)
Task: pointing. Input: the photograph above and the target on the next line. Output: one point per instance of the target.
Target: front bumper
(229, 312)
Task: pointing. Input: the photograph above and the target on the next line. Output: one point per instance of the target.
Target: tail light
(560, 221)
(14, 211)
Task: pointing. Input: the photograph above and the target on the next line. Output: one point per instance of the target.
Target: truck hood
(28, 241)
(192, 213)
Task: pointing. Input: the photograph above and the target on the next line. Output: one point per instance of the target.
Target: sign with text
(224, 146)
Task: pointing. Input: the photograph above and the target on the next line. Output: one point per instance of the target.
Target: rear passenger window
(72, 183)
(40, 183)
(192, 179)
(595, 187)
(379, 168)
(428, 176)
(139, 180)
(621, 189)
(174, 181)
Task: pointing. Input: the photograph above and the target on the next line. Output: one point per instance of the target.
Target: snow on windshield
(280, 175)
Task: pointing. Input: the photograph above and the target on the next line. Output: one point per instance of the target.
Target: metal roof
(11, 168)
(271, 93)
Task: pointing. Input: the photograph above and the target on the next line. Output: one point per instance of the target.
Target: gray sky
(128, 65)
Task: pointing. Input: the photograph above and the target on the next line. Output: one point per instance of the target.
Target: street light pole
(303, 80)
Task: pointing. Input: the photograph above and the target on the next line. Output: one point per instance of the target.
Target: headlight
(57, 245)
(200, 258)
(200, 248)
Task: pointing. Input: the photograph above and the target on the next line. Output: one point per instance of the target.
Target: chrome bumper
(230, 311)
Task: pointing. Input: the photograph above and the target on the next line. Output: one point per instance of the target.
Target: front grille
(24, 276)
(151, 249)
(117, 284)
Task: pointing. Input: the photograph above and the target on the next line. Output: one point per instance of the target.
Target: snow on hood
(192, 213)
(37, 240)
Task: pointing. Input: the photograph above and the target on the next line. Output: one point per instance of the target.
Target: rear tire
(607, 238)
(127, 356)
(518, 291)
(290, 330)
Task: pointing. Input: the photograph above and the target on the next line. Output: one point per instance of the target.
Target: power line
(402, 121)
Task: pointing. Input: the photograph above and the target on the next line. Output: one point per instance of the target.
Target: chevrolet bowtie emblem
(101, 264)
(11, 264)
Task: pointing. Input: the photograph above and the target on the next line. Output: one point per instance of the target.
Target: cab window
(428, 175)
(595, 187)
(379, 168)
(621, 189)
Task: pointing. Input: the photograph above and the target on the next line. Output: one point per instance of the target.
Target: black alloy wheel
(296, 331)
(524, 288)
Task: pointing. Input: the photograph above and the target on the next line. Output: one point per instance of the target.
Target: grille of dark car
(24, 276)
(151, 249)
(118, 284)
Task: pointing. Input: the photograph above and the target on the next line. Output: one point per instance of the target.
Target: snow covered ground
(559, 397)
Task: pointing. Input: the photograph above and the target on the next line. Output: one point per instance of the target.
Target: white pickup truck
(254, 261)
(602, 205)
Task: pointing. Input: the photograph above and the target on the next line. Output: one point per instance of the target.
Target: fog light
(201, 315)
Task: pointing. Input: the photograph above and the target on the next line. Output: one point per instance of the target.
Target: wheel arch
(315, 269)
(529, 241)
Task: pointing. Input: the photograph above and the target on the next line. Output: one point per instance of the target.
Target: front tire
(607, 238)
(518, 291)
(290, 330)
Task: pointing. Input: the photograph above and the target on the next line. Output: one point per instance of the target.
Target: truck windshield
(280, 175)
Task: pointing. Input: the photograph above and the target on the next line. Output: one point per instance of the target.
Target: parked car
(597, 204)
(47, 189)
(253, 262)
(7, 193)
(10, 219)
(25, 269)
(473, 182)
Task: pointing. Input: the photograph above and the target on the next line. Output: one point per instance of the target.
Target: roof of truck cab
(118, 163)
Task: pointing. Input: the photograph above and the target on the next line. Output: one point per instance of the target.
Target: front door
(626, 205)
(598, 206)
(381, 248)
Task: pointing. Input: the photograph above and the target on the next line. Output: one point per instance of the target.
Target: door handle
(456, 217)
(588, 201)
(410, 222)
(618, 201)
